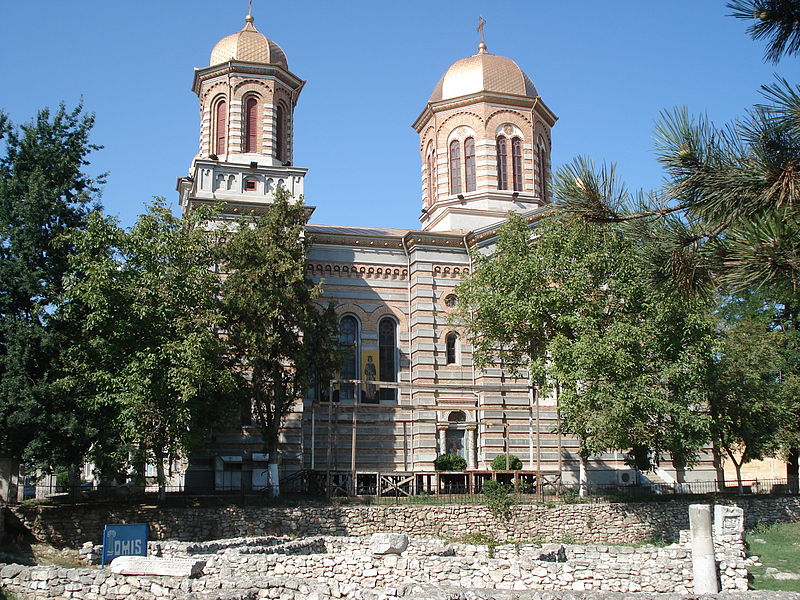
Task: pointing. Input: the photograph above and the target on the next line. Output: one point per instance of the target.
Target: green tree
(727, 214)
(747, 407)
(776, 21)
(570, 304)
(45, 195)
(149, 360)
(275, 327)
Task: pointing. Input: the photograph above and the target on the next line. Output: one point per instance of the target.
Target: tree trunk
(739, 487)
(679, 464)
(718, 466)
(272, 466)
(792, 466)
(9, 480)
(583, 475)
(138, 464)
(738, 467)
(73, 482)
(160, 475)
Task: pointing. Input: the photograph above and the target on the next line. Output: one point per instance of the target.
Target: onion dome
(483, 72)
(248, 45)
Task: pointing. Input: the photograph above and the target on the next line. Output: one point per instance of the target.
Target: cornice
(410, 240)
(246, 68)
(234, 209)
(474, 238)
(523, 102)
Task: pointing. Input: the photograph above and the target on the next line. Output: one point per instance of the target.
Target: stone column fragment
(703, 564)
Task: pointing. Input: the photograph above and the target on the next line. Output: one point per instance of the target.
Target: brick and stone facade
(395, 288)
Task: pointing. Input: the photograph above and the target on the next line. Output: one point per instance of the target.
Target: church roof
(344, 230)
(483, 72)
(248, 45)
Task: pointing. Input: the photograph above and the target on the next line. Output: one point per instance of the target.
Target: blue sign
(124, 540)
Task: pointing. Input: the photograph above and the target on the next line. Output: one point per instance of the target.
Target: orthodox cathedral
(409, 390)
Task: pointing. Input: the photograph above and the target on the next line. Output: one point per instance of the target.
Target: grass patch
(5, 595)
(779, 548)
(40, 554)
(480, 539)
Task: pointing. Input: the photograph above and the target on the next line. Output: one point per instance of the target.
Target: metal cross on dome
(479, 29)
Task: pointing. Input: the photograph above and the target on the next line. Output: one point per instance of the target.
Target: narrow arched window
(542, 172)
(220, 127)
(455, 168)
(451, 348)
(516, 163)
(502, 163)
(348, 350)
(280, 145)
(430, 182)
(469, 163)
(387, 355)
(251, 125)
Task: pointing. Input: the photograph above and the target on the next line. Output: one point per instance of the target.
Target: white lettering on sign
(127, 547)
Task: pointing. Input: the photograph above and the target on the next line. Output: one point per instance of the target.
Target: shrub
(450, 462)
(499, 463)
(497, 497)
(570, 496)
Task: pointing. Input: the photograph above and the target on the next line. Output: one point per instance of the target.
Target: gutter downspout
(478, 415)
(410, 351)
(228, 120)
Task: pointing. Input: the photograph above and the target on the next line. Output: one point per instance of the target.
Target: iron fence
(377, 488)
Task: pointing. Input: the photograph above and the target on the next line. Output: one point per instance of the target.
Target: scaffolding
(339, 480)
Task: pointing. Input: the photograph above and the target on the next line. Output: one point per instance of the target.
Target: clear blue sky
(606, 68)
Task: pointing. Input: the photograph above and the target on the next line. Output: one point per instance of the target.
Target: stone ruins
(383, 566)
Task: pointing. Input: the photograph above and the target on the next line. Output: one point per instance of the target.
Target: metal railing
(409, 488)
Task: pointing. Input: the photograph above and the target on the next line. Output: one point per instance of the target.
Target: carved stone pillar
(442, 440)
(471, 446)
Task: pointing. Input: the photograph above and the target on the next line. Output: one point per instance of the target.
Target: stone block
(728, 520)
(154, 566)
(388, 543)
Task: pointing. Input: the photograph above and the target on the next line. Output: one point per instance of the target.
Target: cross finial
(249, 18)
(482, 45)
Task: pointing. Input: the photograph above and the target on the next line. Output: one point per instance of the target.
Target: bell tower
(484, 143)
(247, 99)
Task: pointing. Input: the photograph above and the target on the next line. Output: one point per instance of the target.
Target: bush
(499, 463)
(497, 497)
(450, 462)
(570, 496)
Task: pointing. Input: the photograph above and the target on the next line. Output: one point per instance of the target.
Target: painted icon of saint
(370, 373)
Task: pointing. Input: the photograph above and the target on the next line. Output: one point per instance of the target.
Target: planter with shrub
(499, 463)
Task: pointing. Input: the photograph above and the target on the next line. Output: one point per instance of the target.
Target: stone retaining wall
(88, 584)
(348, 569)
(71, 526)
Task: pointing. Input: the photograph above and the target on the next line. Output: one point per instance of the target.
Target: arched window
(220, 127)
(469, 163)
(455, 168)
(387, 355)
(451, 348)
(430, 177)
(516, 163)
(502, 163)
(541, 171)
(457, 416)
(251, 125)
(280, 121)
(348, 349)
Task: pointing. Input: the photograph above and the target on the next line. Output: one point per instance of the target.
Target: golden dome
(483, 72)
(248, 45)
